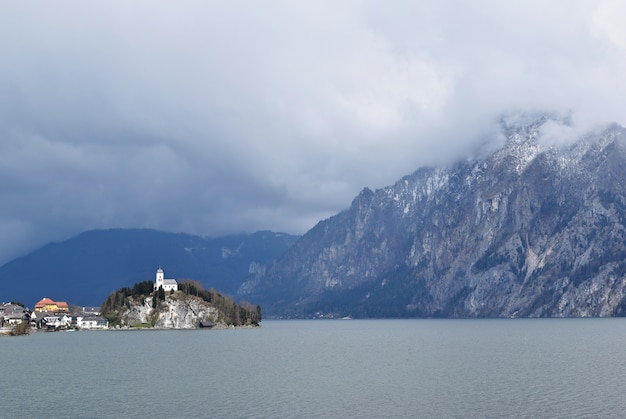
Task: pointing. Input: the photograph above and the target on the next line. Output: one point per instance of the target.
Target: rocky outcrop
(532, 230)
(177, 311)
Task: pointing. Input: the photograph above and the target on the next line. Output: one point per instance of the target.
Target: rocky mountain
(176, 310)
(535, 229)
(85, 269)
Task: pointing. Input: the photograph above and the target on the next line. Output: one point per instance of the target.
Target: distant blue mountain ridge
(85, 269)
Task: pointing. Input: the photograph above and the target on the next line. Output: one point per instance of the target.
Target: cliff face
(178, 311)
(531, 230)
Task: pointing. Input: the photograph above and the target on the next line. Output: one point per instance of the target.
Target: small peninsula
(184, 305)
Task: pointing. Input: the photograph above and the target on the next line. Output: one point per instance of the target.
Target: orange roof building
(46, 304)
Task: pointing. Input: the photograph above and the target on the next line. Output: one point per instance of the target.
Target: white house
(92, 322)
(166, 284)
(56, 322)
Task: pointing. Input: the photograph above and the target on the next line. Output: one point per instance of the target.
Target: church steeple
(159, 278)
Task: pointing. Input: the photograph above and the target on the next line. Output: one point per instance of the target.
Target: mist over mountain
(85, 269)
(536, 228)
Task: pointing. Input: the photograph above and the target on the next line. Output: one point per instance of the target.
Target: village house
(57, 318)
(92, 322)
(166, 284)
(46, 304)
(13, 314)
(50, 320)
(89, 311)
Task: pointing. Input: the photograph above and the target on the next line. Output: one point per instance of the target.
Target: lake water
(319, 369)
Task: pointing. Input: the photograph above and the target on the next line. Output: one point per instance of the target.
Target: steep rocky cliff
(188, 308)
(536, 228)
(177, 311)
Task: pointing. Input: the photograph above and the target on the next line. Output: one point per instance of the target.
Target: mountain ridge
(532, 230)
(536, 228)
(85, 269)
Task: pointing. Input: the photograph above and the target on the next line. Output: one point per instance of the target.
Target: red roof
(44, 302)
(47, 301)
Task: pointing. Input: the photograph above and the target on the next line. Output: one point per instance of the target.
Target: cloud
(221, 117)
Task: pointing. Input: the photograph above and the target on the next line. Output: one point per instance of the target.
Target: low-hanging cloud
(221, 117)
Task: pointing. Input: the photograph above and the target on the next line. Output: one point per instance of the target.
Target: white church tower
(159, 279)
(166, 284)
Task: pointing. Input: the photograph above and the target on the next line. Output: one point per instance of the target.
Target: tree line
(242, 314)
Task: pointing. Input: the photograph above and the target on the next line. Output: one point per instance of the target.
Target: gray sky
(217, 117)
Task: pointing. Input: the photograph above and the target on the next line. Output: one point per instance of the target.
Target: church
(166, 284)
